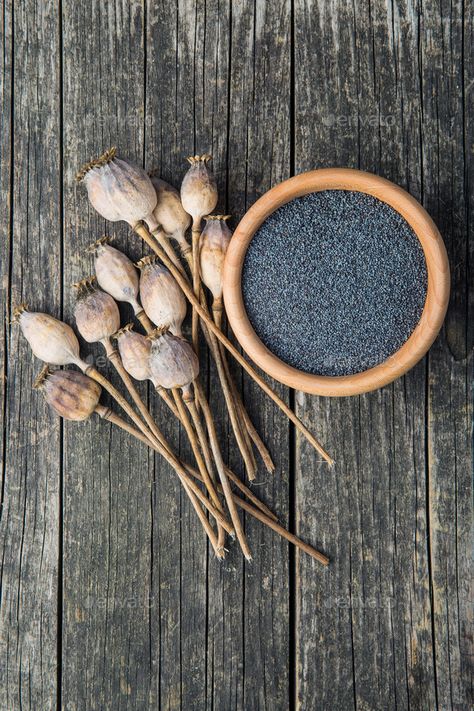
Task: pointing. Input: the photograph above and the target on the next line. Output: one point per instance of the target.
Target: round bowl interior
(436, 298)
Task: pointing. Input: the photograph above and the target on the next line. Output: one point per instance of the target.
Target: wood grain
(31, 471)
(378, 639)
(108, 603)
(109, 598)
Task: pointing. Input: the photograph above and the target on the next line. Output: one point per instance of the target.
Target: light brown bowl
(436, 300)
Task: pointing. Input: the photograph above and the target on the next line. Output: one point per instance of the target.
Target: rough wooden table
(109, 599)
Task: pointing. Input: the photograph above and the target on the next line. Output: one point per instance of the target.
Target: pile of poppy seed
(334, 282)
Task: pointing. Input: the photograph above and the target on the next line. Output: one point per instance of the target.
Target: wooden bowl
(436, 299)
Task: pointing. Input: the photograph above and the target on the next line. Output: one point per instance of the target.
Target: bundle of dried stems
(158, 289)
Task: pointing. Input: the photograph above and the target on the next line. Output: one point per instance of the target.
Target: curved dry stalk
(216, 451)
(142, 231)
(209, 484)
(249, 508)
(249, 426)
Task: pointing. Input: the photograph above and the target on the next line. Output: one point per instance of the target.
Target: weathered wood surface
(109, 597)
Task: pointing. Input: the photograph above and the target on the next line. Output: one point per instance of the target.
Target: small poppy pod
(134, 349)
(50, 340)
(198, 189)
(118, 189)
(215, 239)
(169, 212)
(161, 296)
(116, 273)
(72, 395)
(96, 313)
(173, 362)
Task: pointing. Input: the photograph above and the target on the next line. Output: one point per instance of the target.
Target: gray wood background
(109, 599)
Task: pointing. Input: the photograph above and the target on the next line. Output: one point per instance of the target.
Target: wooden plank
(448, 173)
(108, 606)
(29, 528)
(370, 643)
(191, 51)
(180, 567)
(259, 157)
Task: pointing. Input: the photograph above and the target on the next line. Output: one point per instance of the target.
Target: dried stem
(142, 231)
(205, 474)
(249, 508)
(114, 357)
(162, 238)
(228, 387)
(145, 321)
(164, 394)
(211, 429)
(208, 460)
(245, 450)
(196, 235)
(161, 446)
(247, 425)
(194, 492)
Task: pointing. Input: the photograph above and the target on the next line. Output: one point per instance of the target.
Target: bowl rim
(437, 297)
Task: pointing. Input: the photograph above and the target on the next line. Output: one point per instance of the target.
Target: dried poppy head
(96, 313)
(173, 362)
(198, 189)
(118, 189)
(116, 273)
(72, 395)
(161, 296)
(170, 213)
(134, 349)
(50, 340)
(215, 239)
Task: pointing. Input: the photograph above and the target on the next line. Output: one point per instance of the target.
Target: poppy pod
(50, 340)
(71, 394)
(134, 349)
(198, 189)
(96, 313)
(173, 362)
(118, 189)
(161, 297)
(115, 272)
(169, 211)
(214, 242)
